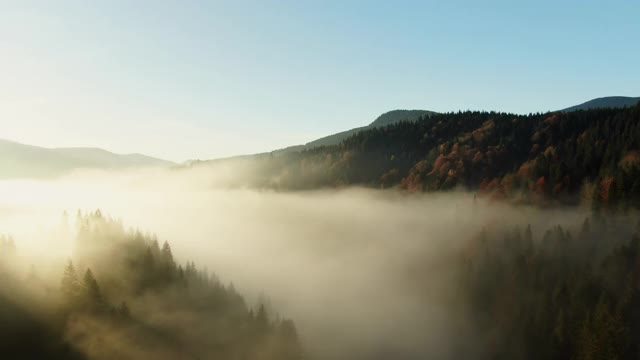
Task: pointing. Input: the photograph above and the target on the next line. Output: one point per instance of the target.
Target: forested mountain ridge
(388, 118)
(606, 102)
(566, 157)
(396, 116)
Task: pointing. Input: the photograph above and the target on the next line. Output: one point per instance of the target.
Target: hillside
(563, 157)
(606, 102)
(396, 116)
(20, 160)
(122, 295)
(385, 119)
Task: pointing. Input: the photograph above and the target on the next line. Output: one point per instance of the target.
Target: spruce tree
(91, 291)
(70, 285)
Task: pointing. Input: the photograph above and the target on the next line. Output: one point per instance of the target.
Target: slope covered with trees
(565, 293)
(388, 118)
(124, 296)
(588, 156)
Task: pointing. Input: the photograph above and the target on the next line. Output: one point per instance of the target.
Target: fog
(364, 273)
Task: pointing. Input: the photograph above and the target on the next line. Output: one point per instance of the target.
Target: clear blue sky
(204, 79)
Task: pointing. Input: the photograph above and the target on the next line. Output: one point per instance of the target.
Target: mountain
(396, 116)
(606, 102)
(20, 160)
(588, 156)
(385, 119)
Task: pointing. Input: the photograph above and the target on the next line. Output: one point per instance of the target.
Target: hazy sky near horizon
(204, 79)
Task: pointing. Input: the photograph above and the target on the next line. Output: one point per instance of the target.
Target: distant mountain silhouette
(395, 116)
(606, 102)
(20, 160)
(388, 118)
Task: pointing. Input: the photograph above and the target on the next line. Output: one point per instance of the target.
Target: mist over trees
(484, 256)
(124, 296)
(507, 287)
(556, 294)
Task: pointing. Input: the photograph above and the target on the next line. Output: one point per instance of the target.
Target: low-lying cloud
(363, 273)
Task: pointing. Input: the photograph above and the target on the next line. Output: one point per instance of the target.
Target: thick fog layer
(363, 273)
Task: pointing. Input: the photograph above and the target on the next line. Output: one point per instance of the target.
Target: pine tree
(262, 319)
(70, 286)
(91, 291)
(167, 256)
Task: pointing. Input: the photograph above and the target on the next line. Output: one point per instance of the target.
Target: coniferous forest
(561, 289)
(560, 158)
(319, 180)
(123, 296)
(555, 294)
(562, 292)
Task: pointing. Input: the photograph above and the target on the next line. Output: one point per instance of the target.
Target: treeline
(588, 156)
(123, 296)
(561, 294)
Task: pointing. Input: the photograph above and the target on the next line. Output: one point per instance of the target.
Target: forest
(319, 180)
(523, 287)
(463, 235)
(563, 158)
(558, 294)
(122, 295)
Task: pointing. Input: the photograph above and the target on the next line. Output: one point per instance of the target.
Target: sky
(188, 79)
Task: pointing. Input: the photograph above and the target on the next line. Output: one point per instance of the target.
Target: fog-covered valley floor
(363, 273)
